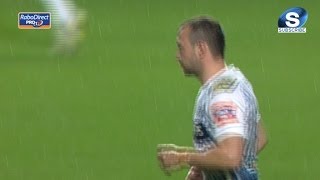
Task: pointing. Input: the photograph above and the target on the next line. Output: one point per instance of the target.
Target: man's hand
(162, 149)
(171, 161)
(166, 147)
(172, 157)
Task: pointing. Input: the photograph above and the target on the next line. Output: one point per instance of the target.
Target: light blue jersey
(226, 106)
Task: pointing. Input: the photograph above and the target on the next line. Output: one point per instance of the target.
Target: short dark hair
(204, 28)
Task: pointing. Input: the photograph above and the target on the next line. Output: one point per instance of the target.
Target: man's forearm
(214, 159)
(173, 147)
(226, 156)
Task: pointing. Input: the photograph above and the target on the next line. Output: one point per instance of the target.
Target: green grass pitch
(100, 114)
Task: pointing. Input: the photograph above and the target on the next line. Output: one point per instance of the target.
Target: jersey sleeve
(227, 114)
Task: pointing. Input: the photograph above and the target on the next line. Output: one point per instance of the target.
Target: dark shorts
(240, 174)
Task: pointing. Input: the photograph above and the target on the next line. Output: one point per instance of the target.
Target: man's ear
(201, 49)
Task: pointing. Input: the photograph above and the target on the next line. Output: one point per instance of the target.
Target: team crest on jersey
(224, 113)
(225, 84)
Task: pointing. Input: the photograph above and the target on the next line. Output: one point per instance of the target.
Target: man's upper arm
(231, 151)
(234, 145)
(262, 137)
(226, 113)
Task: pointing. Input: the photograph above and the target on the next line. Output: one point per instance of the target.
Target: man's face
(186, 54)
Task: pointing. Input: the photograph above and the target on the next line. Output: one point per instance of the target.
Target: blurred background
(99, 114)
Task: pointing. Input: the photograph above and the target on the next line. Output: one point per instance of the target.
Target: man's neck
(211, 70)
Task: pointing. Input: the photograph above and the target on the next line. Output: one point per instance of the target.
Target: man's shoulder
(227, 82)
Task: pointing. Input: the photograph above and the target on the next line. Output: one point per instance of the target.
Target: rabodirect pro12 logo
(292, 21)
(34, 20)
